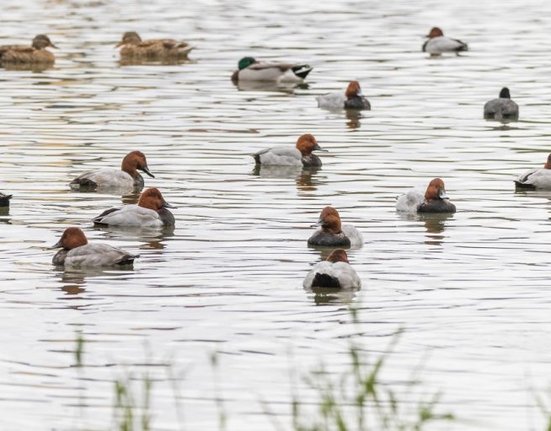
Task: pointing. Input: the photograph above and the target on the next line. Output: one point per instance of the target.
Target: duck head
(129, 38)
(73, 237)
(133, 161)
(504, 93)
(548, 164)
(245, 62)
(436, 190)
(435, 32)
(42, 41)
(153, 199)
(307, 143)
(338, 255)
(329, 220)
(353, 90)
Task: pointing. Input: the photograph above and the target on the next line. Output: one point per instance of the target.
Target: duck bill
(167, 205)
(57, 245)
(53, 46)
(318, 148)
(317, 224)
(442, 194)
(148, 172)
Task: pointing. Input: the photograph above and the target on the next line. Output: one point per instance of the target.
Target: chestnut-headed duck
(133, 48)
(151, 212)
(250, 69)
(335, 272)
(301, 155)
(351, 99)
(536, 179)
(434, 200)
(501, 109)
(5, 200)
(34, 54)
(332, 234)
(126, 179)
(438, 43)
(77, 253)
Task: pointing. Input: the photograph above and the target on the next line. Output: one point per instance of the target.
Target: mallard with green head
(250, 69)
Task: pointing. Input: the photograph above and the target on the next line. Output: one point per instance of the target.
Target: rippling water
(470, 290)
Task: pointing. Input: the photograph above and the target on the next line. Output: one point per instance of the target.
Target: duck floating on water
(435, 200)
(250, 69)
(35, 54)
(438, 44)
(334, 272)
(133, 48)
(501, 109)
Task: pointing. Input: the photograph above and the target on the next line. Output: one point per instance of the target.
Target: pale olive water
(471, 290)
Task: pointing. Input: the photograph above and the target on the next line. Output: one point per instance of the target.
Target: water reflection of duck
(305, 178)
(268, 86)
(435, 224)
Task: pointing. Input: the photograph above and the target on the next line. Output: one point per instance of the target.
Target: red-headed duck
(434, 200)
(438, 43)
(332, 234)
(77, 253)
(133, 48)
(151, 212)
(335, 272)
(301, 155)
(36, 54)
(250, 69)
(126, 179)
(351, 99)
(536, 179)
(501, 109)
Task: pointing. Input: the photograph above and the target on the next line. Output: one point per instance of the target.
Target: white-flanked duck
(250, 69)
(301, 155)
(435, 200)
(334, 272)
(438, 43)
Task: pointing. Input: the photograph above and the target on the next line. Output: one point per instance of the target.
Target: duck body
(439, 44)
(77, 253)
(536, 179)
(332, 233)
(249, 69)
(132, 47)
(126, 179)
(434, 200)
(151, 212)
(36, 54)
(301, 155)
(501, 109)
(335, 272)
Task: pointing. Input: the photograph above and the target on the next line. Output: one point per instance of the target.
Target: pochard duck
(125, 179)
(334, 272)
(536, 179)
(434, 200)
(250, 69)
(438, 43)
(332, 233)
(35, 54)
(77, 253)
(351, 99)
(301, 155)
(501, 109)
(150, 212)
(133, 48)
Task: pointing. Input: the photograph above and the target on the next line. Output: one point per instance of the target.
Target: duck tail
(325, 280)
(524, 186)
(127, 259)
(302, 70)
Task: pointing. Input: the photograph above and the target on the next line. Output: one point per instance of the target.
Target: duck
(334, 272)
(125, 179)
(250, 69)
(150, 212)
(34, 54)
(438, 43)
(301, 155)
(536, 179)
(351, 99)
(332, 234)
(501, 109)
(77, 253)
(434, 200)
(132, 47)
(4, 200)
